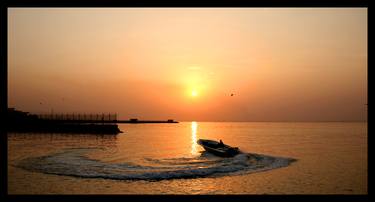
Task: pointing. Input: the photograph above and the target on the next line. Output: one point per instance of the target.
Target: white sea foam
(73, 162)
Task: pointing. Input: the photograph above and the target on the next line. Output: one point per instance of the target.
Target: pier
(95, 118)
(104, 123)
(19, 121)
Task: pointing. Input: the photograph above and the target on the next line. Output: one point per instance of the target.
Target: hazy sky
(184, 63)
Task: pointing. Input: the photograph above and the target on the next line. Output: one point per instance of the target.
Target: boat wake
(74, 162)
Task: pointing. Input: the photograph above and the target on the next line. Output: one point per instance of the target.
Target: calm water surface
(278, 158)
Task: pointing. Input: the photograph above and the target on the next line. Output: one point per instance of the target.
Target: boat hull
(215, 148)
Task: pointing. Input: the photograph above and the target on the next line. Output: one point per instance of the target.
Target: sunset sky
(190, 64)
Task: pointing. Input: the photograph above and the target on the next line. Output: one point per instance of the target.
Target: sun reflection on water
(194, 127)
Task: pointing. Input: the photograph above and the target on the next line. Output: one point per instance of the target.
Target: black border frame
(148, 3)
(186, 3)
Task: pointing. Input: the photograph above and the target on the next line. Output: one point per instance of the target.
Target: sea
(161, 158)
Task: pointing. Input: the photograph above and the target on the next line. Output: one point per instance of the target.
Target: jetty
(146, 121)
(19, 121)
(95, 118)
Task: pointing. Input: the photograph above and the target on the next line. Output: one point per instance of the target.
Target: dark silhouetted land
(18, 121)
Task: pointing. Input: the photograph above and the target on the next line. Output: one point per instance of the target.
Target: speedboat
(218, 148)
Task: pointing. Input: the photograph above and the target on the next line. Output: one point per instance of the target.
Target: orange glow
(194, 93)
(185, 63)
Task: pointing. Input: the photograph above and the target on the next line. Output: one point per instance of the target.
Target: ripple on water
(74, 162)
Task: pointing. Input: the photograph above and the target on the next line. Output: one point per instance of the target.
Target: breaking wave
(73, 162)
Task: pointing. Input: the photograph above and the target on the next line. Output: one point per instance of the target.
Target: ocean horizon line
(354, 121)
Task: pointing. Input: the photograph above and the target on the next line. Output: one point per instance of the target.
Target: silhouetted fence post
(99, 118)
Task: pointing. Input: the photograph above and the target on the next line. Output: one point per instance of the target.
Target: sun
(194, 93)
